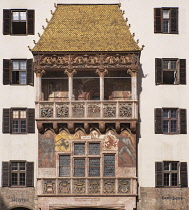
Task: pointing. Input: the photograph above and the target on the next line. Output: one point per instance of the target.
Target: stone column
(39, 74)
(133, 84)
(101, 73)
(70, 73)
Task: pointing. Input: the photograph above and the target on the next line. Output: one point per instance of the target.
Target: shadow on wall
(3, 206)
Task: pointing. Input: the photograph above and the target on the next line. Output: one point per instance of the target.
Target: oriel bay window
(87, 161)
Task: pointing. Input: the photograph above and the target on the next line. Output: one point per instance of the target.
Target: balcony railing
(87, 110)
(87, 186)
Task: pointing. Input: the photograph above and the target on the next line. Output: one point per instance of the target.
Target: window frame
(169, 69)
(173, 20)
(181, 116)
(182, 174)
(18, 70)
(8, 22)
(86, 157)
(170, 172)
(6, 174)
(18, 172)
(19, 21)
(19, 119)
(170, 119)
(180, 70)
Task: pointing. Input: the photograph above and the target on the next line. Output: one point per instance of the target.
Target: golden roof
(86, 28)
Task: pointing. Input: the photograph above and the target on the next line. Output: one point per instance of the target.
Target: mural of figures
(110, 141)
(46, 150)
(126, 150)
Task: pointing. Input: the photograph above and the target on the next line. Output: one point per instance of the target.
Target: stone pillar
(133, 84)
(101, 73)
(70, 73)
(39, 74)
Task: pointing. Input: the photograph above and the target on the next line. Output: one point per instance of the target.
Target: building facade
(90, 117)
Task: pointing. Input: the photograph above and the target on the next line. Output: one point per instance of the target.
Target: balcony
(87, 186)
(90, 110)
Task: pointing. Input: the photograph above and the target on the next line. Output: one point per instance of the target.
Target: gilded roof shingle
(86, 28)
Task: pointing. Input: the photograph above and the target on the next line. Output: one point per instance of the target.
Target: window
(171, 174)
(166, 20)
(18, 71)
(18, 22)
(17, 174)
(170, 121)
(170, 71)
(18, 121)
(87, 161)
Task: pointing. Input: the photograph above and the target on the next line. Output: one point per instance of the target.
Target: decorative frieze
(109, 110)
(109, 186)
(64, 187)
(124, 186)
(125, 110)
(79, 186)
(94, 186)
(62, 110)
(93, 110)
(78, 110)
(46, 110)
(49, 187)
(111, 60)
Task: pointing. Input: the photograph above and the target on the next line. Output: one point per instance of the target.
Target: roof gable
(86, 28)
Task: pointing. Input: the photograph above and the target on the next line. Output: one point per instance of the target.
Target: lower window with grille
(171, 174)
(87, 161)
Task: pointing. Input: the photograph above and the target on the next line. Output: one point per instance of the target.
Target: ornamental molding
(101, 61)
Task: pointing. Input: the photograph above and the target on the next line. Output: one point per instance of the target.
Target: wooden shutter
(158, 121)
(31, 22)
(174, 20)
(159, 71)
(30, 73)
(183, 122)
(31, 120)
(6, 71)
(159, 174)
(157, 20)
(182, 71)
(183, 174)
(6, 21)
(6, 120)
(30, 174)
(5, 174)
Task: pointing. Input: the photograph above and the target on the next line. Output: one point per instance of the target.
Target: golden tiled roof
(86, 28)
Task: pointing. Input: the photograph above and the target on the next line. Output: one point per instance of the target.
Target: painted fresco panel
(124, 145)
(46, 150)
